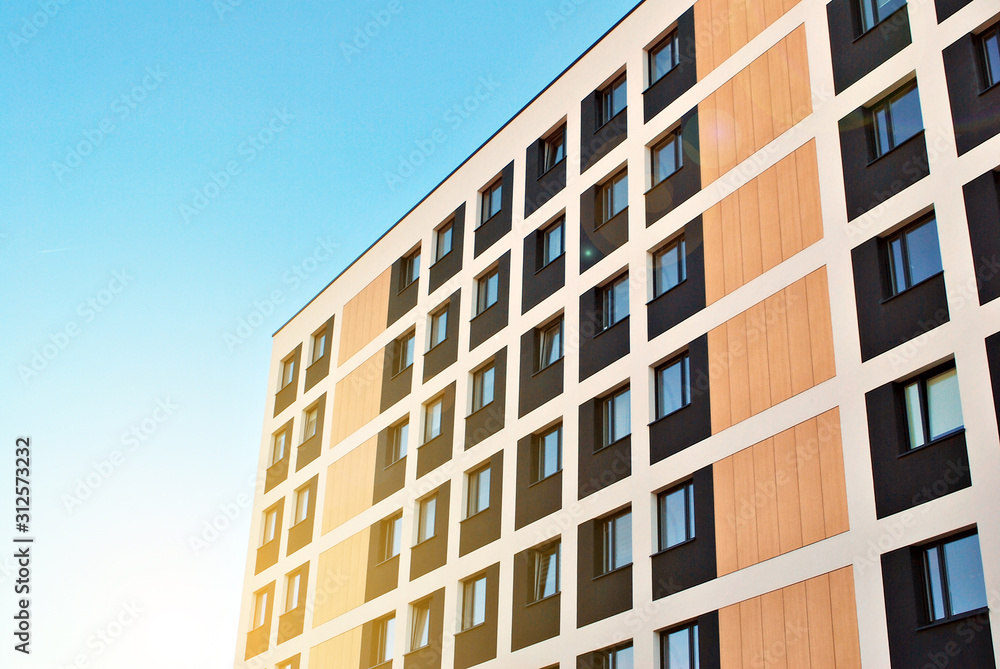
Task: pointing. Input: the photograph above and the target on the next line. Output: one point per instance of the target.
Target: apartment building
(694, 363)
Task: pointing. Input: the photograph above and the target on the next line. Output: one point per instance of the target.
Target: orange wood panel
(743, 110)
(718, 357)
(746, 520)
(708, 135)
(799, 346)
(789, 4)
(768, 534)
(820, 326)
(810, 209)
(831, 459)
(760, 87)
(760, 386)
(788, 207)
(739, 369)
(778, 362)
(821, 649)
(752, 632)
(737, 25)
(715, 278)
(725, 514)
(781, 99)
(753, 263)
(703, 35)
(720, 32)
(798, 74)
(770, 223)
(845, 619)
(810, 482)
(732, 244)
(725, 121)
(756, 19)
(787, 480)
(365, 316)
(796, 626)
(773, 10)
(772, 610)
(730, 633)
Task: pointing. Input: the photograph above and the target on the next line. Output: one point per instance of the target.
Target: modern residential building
(694, 363)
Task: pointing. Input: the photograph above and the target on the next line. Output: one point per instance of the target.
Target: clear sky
(168, 168)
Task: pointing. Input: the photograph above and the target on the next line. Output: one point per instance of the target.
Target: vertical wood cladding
(783, 493)
(349, 483)
(358, 398)
(776, 349)
(809, 625)
(341, 578)
(723, 27)
(343, 650)
(760, 103)
(365, 316)
(754, 229)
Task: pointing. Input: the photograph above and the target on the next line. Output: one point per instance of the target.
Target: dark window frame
(479, 386)
(607, 417)
(692, 637)
(608, 306)
(606, 198)
(482, 290)
(609, 542)
(538, 454)
(492, 194)
(885, 104)
(382, 639)
(545, 246)
(436, 316)
(397, 446)
(390, 536)
(926, 586)
(541, 332)
(323, 335)
(409, 270)
(871, 20)
(902, 237)
(446, 229)
(474, 493)
(672, 41)
(606, 100)
(552, 152)
(921, 382)
(684, 359)
(536, 593)
(990, 77)
(468, 621)
(662, 528)
(404, 347)
(680, 244)
(677, 139)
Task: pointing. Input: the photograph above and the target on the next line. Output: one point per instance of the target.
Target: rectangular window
(269, 528)
(545, 574)
(399, 436)
(487, 290)
(991, 56)
(617, 417)
(474, 603)
(409, 270)
(612, 100)
(614, 302)
(616, 545)
(426, 517)
(391, 537)
(553, 149)
(547, 456)
(669, 266)
(287, 372)
(874, 12)
(385, 632)
(664, 57)
(552, 242)
(933, 406)
(403, 357)
(953, 577)
(293, 582)
(673, 386)
(260, 605)
(312, 423)
(675, 515)
(279, 442)
(679, 648)
(478, 496)
(550, 348)
(668, 156)
(443, 240)
(619, 657)
(914, 255)
(301, 505)
(895, 119)
(439, 326)
(319, 345)
(613, 198)
(492, 197)
(421, 632)
(483, 387)
(432, 419)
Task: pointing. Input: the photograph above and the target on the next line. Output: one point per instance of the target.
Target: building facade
(694, 363)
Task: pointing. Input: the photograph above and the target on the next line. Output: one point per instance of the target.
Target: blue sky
(168, 170)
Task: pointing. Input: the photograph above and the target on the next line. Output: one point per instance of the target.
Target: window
(432, 419)
(673, 386)
(550, 344)
(619, 657)
(473, 602)
(913, 255)
(492, 197)
(260, 605)
(895, 119)
(319, 345)
(293, 585)
(392, 535)
(269, 528)
(663, 57)
(483, 387)
(399, 435)
(669, 266)
(612, 100)
(385, 632)
(679, 648)
(552, 242)
(545, 572)
(487, 290)
(403, 357)
(617, 417)
(439, 326)
(614, 302)
(278, 443)
(421, 632)
(409, 269)
(443, 240)
(953, 577)
(616, 542)
(668, 156)
(301, 505)
(287, 372)
(312, 422)
(874, 12)
(991, 56)
(553, 149)
(933, 406)
(478, 496)
(426, 517)
(546, 456)
(613, 198)
(675, 514)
